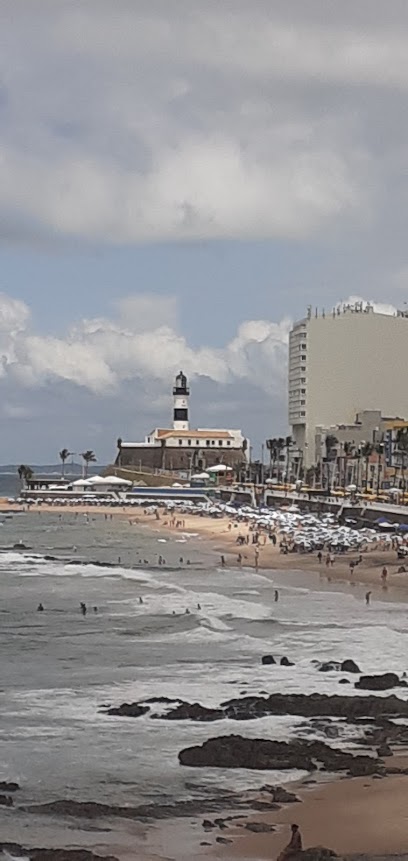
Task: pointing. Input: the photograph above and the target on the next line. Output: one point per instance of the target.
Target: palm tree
(88, 457)
(25, 473)
(64, 455)
(288, 443)
(280, 445)
(402, 446)
(366, 451)
(330, 445)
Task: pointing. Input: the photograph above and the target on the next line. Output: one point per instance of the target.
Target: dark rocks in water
(223, 840)
(235, 751)
(6, 801)
(21, 546)
(329, 667)
(169, 700)
(264, 806)
(349, 666)
(53, 854)
(207, 824)
(220, 823)
(379, 683)
(133, 710)
(8, 786)
(219, 802)
(344, 682)
(204, 843)
(285, 662)
(259, 827)
(268, 659)
(195, 712)
(316, 705)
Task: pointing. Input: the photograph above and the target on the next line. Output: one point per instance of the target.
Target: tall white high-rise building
(342, 363)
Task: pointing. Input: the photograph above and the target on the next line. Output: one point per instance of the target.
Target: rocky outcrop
(315, 705)
(195, 712)
(285, 662)
(15, 850)
(8, 786)
(380, 683)
(268, 659)
(133, 710)
(349, 667)
(235, 751)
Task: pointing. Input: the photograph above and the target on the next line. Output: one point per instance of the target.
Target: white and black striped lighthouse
(181, 394)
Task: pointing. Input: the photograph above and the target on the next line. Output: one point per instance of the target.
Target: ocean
(59, 668)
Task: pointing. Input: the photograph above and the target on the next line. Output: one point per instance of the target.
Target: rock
(285, 662)
(220, 823)
(349, 667)
(154, 700)
(203, 843)
(329, 667)
(223, 840)
(379, 683)
(264, 806)
(194, 711)
(282, 796)
(344, 682)
(235, 751)
(316, 705)
(208, 824)
(384, 750)
(268, 659)
(6, 801)
(259, 827)
(133, 710)
(17, 851)
(316, 853)
(8, 787)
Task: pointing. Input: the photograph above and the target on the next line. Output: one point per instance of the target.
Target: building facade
(343, 363)
(183, 449)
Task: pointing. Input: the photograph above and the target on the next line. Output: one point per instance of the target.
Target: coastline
(348, 815)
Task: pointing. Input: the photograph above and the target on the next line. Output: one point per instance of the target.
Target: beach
(60, 669)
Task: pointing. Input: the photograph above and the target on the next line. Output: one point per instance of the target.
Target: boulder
(223, 840)
(16, 851)
(344, 682)
(7, 786)
(133, 710)
(268, 659)
(329, 667)
(195, 712)
(349, 666)
(379, 683)
(316, 853)
(285, 662)
(259, 827)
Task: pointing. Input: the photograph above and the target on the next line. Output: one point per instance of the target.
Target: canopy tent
(201, 475)
(102, 481)
(219, 467)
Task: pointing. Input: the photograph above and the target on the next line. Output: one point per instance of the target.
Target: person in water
(276, 595)
(294, 846)
(40, 608)
(367, 598)
(83, 608)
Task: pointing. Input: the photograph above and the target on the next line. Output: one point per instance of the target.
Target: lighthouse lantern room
(181, 394)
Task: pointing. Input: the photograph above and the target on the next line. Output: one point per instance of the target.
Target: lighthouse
(181, 394)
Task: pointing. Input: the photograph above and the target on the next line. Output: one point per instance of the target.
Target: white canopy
(219, 467)
(201, 475)
(101, 480)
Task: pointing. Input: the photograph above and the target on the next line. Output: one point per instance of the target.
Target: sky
(178, 181)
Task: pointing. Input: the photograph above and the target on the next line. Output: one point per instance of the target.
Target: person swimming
(40, 608)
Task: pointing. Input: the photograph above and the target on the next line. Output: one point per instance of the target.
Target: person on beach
(294, 846)
(256, 559)
(223, 561)
(83, 608)
(140, 600)
(320, 557)
(351, 566)
(276, 596)
(367, 598)
(40, 608)
(384, 575)
(327, 560)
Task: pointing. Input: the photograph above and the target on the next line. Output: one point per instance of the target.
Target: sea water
(58, 669)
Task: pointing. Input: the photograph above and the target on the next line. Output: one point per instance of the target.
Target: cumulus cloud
(140, 343)
(177, 121)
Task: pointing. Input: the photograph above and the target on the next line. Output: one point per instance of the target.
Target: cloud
(140, 343)
(169, 121)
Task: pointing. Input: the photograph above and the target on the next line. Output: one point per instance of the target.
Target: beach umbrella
(351, 488)
(219, 467)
